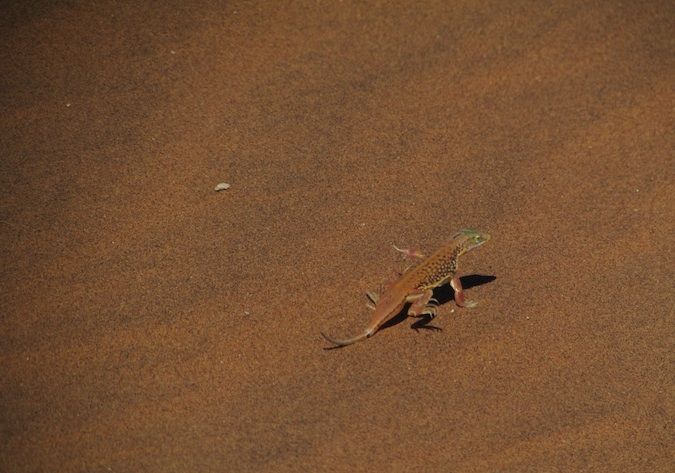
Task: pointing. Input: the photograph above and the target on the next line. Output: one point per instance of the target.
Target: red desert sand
(152, 324)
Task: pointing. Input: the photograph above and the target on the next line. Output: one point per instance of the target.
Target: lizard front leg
(456, 284)
(412, 253)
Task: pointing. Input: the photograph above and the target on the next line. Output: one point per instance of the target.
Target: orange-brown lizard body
(416, 285)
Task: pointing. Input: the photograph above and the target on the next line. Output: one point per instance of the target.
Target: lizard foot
(373, 298)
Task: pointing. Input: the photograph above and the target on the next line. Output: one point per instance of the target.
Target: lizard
(416, 285)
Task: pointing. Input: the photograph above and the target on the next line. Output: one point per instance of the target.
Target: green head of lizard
(469, 239)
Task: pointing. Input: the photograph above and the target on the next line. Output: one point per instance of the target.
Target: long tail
(348, 341)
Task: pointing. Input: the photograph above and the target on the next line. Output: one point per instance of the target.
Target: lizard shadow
(443, 295)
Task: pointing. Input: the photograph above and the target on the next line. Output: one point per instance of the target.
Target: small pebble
(222, 186)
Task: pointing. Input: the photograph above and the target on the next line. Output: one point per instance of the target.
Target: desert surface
(152, 324)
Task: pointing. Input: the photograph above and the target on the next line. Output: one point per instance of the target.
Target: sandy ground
(152, 324)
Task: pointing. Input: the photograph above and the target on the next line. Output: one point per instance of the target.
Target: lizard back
(436, 269)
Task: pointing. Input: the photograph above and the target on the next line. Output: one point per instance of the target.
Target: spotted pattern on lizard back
(416, 286)
(438, 269)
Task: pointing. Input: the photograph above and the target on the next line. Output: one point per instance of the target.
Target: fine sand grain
(150, 324)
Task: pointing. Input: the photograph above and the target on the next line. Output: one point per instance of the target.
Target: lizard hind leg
(372, 298)
(421, 305)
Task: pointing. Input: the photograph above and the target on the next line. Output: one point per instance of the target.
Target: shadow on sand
(442, 294)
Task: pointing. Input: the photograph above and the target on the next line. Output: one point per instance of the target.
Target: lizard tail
(348, 341)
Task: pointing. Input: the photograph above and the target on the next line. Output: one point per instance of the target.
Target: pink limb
(411, 253)
(421, 304)
(456, 284)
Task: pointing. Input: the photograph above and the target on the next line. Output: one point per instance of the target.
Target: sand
(152, 324)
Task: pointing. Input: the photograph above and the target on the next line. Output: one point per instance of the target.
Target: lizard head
(470, 239)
